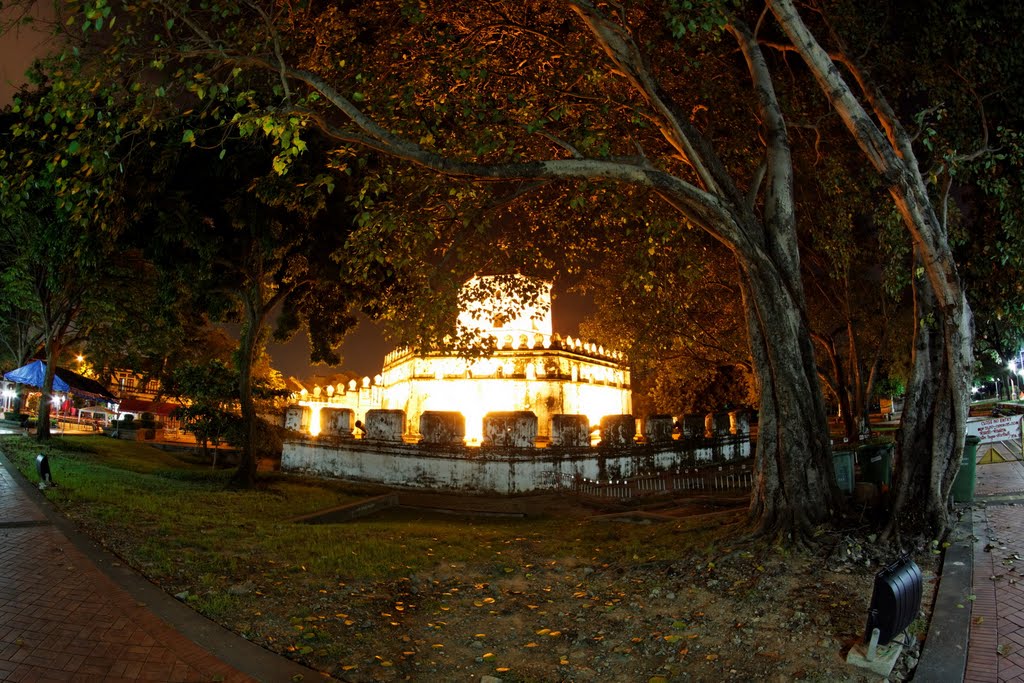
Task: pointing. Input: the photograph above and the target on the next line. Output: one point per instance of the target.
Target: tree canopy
(548, 114)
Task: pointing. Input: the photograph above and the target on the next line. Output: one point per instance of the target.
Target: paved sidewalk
(995, 652)
(63, 618)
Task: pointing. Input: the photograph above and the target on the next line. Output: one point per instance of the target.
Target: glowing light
(506, 381)
(491, 315)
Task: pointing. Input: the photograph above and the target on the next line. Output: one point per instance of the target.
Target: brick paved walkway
(62, 619)
(995, 652)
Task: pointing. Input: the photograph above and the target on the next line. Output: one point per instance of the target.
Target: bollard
(43, 470)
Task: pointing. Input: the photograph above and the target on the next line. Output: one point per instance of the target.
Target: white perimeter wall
(491, 471)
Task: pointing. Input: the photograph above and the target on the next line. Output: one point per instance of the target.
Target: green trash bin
(875, 461)
(842, 462)
(966, 476)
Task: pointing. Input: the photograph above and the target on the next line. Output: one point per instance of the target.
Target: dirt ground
(756, 613)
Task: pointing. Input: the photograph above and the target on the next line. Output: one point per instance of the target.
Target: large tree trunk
(245, 476)
(46, 400)
(931, 438)
(795, 487)
(923, 482)
(930, 444)
(840, 385)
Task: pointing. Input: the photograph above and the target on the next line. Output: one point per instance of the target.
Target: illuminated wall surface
(532, 369)
(545, 381)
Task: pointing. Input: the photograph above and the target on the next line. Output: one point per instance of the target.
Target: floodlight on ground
(895, 600)
(895, 603)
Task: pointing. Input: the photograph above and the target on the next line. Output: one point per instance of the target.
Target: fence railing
(734, 476)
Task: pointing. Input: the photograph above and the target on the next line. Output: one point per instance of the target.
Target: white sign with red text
(999, 429)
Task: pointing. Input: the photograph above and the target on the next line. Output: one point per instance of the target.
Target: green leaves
(95, 14)
(690, 16)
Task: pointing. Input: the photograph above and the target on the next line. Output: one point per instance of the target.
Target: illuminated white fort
(516, 419)
(530, 368)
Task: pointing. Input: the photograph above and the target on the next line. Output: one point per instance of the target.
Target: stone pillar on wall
(337, 421)
(384, 425)
(740, 429)
(658, 428)
(739, 422)
(297, 418)
(570, 431)
(693, 426)
(443, 427)
(717, 424)
(515, 429)
(618, 430)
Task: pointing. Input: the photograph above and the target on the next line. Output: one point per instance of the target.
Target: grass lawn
(421, 596)
(163, 510)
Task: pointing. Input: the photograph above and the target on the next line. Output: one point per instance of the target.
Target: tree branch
(624, 53)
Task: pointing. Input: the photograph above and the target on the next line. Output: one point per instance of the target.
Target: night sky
(17, 49)
(364, 351)
(365, 348)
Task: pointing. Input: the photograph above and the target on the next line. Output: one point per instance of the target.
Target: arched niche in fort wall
(337, 421)
(618, 430)
(384, 425)
(570, 431)
(442, 427)
(511, 429)
(658, 429)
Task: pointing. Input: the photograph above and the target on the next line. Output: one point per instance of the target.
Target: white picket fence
(734, 476)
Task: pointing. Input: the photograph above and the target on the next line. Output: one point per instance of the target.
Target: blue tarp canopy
(63, 380)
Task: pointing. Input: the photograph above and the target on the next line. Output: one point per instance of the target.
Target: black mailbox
(895, 600)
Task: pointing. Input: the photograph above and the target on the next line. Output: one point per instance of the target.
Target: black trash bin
(875, 462)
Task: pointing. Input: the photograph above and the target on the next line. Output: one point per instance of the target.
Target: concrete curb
(944, 655)
(245, 656)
